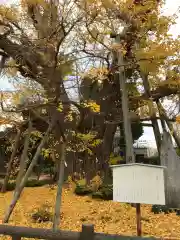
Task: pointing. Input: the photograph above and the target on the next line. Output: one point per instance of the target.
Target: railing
(87, 233)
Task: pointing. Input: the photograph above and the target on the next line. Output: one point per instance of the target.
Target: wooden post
(87, 232)
(130, 158)
(56, 220)
(8, 171)
(138, 219)
(16, 238)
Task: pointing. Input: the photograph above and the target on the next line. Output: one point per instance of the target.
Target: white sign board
(138, 183)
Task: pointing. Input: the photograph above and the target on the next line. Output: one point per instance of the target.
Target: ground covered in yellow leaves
(107, 216)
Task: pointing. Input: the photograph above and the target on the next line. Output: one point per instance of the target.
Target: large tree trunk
(105, 151)
(23, 160)
(169, 124)
(61, 164)
(26, 176)
(9, 167)
(88, 169)
(155, 125)
(175, 135)
(170, 160)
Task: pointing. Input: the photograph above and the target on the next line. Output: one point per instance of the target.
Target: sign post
(139, 184)
(138, 219)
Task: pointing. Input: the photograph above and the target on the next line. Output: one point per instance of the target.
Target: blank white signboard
(138, 183)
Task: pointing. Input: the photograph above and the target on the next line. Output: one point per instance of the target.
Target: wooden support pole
(56, 220)
(8, 172)
(16, 238)
(130, 158)
(26, 176)
(138, 219)
(87, 232)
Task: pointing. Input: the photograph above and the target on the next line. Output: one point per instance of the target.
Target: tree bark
(8, 172)
(170, 160)
(87, 168)
(26, 176)
(169, 124)
(163, 123)
(61, 164)
(106, 151)
(23, 162)
(155, 125)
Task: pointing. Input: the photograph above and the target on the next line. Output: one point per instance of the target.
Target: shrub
(11, 186)
(38, 183)
(81, 182)
(178, 212)
(47, 170)
(104, 192)
(82, 190)
(151, 160)
(115, 160)
(156, 209)
(97, 195)
(154, 160)
(31, 183)
(42, 214)
(95, 184)
(107, 191)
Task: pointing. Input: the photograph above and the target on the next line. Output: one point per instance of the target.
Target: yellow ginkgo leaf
(107, 3)
(93, 106)
(178, 119)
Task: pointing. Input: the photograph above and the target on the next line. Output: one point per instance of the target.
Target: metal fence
(87, 233)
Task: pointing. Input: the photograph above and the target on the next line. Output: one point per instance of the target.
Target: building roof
(137, 164)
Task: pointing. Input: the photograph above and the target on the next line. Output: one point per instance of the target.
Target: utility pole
(130, 158)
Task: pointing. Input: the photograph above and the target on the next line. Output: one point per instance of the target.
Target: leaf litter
(107, 216)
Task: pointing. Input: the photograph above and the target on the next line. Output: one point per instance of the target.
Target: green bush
(156, 209)
(82, 190)
(152, 160)
(31, 183)
(42, 214)
(105, 192)
(97, 195)
(178, 212)
(11, 186)
(114, 160)
(38, 183)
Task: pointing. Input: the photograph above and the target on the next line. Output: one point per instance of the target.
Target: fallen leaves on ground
(107, 216)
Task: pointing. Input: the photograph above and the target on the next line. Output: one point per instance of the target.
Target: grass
(107, 216)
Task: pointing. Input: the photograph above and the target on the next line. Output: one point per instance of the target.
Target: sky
(170, 8)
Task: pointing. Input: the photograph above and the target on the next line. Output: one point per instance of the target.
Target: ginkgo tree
(35, 39)
(151, 54)
(42, 40)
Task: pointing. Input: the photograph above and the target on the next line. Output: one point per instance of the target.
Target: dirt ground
(107, 216)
